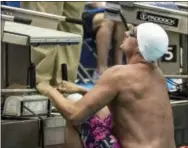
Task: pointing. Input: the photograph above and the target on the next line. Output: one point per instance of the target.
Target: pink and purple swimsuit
(97, 133)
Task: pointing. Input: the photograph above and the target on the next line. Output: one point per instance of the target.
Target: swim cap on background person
(75, 97)
(152, 41)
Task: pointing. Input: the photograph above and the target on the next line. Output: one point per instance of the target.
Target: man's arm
(69, 87)
(104, 91)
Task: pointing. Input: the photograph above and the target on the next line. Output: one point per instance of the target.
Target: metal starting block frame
(40, 22)
(24, 34)
(17, 33)
(21, 34)
(182, 6)
(39, 19)
(175, 22)
(16, 30)
(42, 19)
(137, 13)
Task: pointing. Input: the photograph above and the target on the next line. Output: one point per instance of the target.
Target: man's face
(129, 44)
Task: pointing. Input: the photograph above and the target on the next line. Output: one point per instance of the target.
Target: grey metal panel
(54, 136)
(17, 33)
(54, 130)
(22, 133)
(14, 39)
(18, 63)
(19, 134)
(3, 75)
(180, 115)
(185, 53)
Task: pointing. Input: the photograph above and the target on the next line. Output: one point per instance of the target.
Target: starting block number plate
(171, 55)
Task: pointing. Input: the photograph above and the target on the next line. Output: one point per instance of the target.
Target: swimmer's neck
(135, 58)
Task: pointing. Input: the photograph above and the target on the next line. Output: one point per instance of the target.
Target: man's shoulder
(123, 68)
(115, 68)
(118, 71)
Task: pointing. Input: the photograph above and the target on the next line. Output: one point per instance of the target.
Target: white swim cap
(75, 97)
(152, 41)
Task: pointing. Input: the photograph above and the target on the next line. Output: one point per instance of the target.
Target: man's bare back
(135, 93)
(141, 112)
